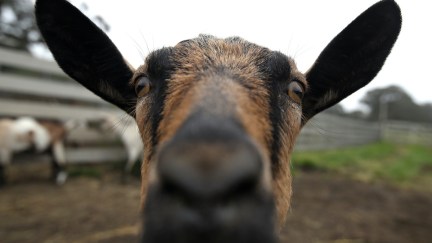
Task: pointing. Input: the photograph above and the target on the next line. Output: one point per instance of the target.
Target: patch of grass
(85, 171)
(120, 167)
(400, 164)
(98, 171)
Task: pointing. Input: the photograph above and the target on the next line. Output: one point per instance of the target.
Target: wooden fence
(328, 132)
(407, 132)
(38, 88)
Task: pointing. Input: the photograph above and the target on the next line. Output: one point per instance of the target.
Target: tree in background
(18, 28)
(338, 110)
(394, 103)
(17, 25)
(389, 103)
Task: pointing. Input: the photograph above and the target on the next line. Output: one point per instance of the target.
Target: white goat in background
(19, 135)
(26, 133)
(128, 132)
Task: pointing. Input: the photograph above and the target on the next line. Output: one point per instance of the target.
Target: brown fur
(198, 83)
(56, 130)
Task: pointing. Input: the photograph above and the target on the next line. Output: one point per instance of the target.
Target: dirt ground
(325, 208)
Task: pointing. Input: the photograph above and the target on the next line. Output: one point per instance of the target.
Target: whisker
(145, 41)
(138, 47)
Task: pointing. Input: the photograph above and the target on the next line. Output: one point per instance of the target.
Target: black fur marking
(160, 65)
(159, 70)
(277, 70)
(276, 67)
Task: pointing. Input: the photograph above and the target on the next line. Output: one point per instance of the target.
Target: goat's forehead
(208, 42)
(206, 51)
(235, 48)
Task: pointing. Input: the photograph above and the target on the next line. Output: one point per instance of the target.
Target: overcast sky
(300, 28)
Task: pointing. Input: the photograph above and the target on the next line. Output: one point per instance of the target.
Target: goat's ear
(85, 52)
(353, 58)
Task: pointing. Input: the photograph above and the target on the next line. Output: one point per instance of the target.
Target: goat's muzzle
(209, 188)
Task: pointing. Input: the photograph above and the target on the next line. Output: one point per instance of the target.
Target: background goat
(58, 131)
(218, 117)
(20, 135)
(26, 133)
(126, 129)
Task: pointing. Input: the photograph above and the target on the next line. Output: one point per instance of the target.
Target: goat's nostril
(222, 172)
(243, 186)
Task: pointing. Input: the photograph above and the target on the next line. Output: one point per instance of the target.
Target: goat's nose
(214, 170)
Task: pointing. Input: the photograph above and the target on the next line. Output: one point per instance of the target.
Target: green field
(403, 165)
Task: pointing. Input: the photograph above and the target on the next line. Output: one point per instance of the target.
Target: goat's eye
(295, 91)
(143, 86)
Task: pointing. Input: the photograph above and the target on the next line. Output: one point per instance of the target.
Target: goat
(20, 135)
(218, 117)
(26, 133)
(128, 132)
(58, 131)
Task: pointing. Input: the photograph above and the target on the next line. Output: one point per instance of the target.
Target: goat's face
(218, 117)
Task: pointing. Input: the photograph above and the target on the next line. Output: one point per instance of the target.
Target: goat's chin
(249, 219)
